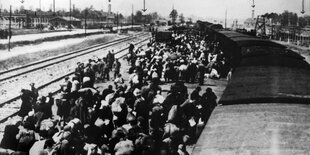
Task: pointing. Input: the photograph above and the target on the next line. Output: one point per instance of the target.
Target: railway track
(17, 75)
(54, 84)
(18, 71)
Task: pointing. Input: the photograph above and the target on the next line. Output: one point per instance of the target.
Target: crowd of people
(5, 34)
(130, 116)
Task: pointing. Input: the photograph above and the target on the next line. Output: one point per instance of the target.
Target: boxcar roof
(232, 34)
(268, 72)
(243, 41)
(256, 129)
(247, 40)
(267, 81)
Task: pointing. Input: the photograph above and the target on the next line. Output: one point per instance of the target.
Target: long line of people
(133, 118)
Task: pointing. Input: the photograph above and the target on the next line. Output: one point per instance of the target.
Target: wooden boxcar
(163, 36)
(265, 107)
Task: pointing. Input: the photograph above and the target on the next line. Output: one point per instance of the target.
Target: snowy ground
(10, 88)
(49, 45)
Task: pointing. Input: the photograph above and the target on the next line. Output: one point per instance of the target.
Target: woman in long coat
(26, 106)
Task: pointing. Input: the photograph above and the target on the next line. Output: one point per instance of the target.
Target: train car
(265, 106)
(235, 45)
(163, 36)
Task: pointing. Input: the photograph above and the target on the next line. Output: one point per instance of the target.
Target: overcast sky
(237, 9)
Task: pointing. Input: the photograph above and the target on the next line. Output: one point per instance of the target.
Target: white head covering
(137, 92)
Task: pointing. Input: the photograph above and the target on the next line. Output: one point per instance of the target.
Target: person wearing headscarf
(209, 99)
(140, 106)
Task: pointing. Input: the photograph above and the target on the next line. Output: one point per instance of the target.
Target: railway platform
(218, 87)
(10, 109)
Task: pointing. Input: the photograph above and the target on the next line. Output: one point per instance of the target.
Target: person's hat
(130, 117)
(66, 135)
(31, 113)
(67, 128)
(159, 99)
(140, 119)
(104, 104)
(137, 92)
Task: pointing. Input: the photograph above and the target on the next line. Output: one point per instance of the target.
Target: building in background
(235, 25)
(42, 20)
(18, 21)
(63, 22)
(104, 20)
(249, 24)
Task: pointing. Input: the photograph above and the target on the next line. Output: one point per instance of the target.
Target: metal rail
(58, 79)
(61, 57)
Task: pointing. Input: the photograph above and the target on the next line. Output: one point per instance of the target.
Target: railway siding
(52, 72)
(53, 86)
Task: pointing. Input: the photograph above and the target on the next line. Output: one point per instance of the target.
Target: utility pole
(117, 21)
(303, 7)
(85, 24)
(226, 19)
(102, 17)
(40, 17)
(109, 13)
(132, 18)
(121, 22)
(10, 28)
(289, 20)
(70, 15)
(144, 9)
(54, 7)
(0, 7)
(253, 11)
